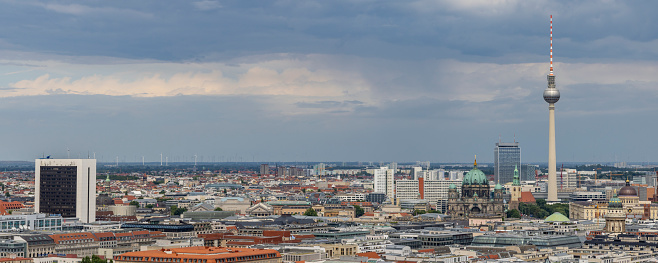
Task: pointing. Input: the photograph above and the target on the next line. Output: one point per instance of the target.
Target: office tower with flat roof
(383, 182)
(264, 168)
(66, 187)
(507, 156)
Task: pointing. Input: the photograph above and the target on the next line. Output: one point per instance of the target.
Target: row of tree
(540, 209)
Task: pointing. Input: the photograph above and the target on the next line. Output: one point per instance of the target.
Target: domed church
(476, 199)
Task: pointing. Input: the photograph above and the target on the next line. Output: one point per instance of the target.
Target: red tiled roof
(527, 197)
(368, 255)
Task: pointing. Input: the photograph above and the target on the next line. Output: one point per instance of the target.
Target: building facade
(66, 187)
(202, 254)
(476, 199)
(507, 156)
(384, 183)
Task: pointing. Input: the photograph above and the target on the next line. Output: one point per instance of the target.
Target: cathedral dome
(475, 176)
(452, 186)
(627, 190)
(498, 187)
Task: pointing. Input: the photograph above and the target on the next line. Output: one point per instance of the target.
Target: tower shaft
(552, 175)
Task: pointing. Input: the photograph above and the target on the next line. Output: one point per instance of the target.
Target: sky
(359, 80)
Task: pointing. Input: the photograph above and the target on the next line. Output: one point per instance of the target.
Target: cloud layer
(337, 80)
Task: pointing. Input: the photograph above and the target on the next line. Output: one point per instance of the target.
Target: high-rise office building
(528, 172)
(66, 187)
(416, 172)
(507, 156)
(383, 181)
(264, 168)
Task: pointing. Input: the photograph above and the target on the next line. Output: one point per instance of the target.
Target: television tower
(551, 95)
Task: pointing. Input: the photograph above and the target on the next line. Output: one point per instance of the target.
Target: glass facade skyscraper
(507, 156)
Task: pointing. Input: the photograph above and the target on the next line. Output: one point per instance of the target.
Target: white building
(66, 187)
(384, 181)
(352, 197)
(430, 190)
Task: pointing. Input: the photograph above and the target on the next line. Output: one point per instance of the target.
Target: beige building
(260, 209)
(238, 204)
(629, 199)
(338, 250)
(289, 207)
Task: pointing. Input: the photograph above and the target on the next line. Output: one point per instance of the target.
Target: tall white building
(416, 172)
(66, 187)
(384, 181)
(430, 190)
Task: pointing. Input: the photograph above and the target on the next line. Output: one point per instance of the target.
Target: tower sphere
(551, 95)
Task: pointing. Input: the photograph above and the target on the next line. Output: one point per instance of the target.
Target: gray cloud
(326, 80)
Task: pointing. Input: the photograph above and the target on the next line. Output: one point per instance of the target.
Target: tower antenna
(551, 73)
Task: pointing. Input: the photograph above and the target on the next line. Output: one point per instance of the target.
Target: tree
(95, 259)
(513, 213)
(310, 212)
(176, 211)
(358, 211)
(218, 209)
(135, 203)
(149, 206)
(419, 212)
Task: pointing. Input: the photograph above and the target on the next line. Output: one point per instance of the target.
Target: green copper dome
(615, 202)
(557, 217)
(498, 187)
(452, 186)
(475, 176)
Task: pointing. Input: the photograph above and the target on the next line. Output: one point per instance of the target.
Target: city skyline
(337, 81)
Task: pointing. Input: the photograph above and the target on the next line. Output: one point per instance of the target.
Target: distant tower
(515, 190)
(551, 95)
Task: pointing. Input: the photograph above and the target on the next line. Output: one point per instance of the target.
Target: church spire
(475, 163)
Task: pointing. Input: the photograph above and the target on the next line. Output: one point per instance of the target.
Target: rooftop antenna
(94, 155)
(551, 73)
(68, 153)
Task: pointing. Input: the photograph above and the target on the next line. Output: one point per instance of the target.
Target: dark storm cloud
(185, 30)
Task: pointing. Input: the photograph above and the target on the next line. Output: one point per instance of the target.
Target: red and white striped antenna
(551, 45)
